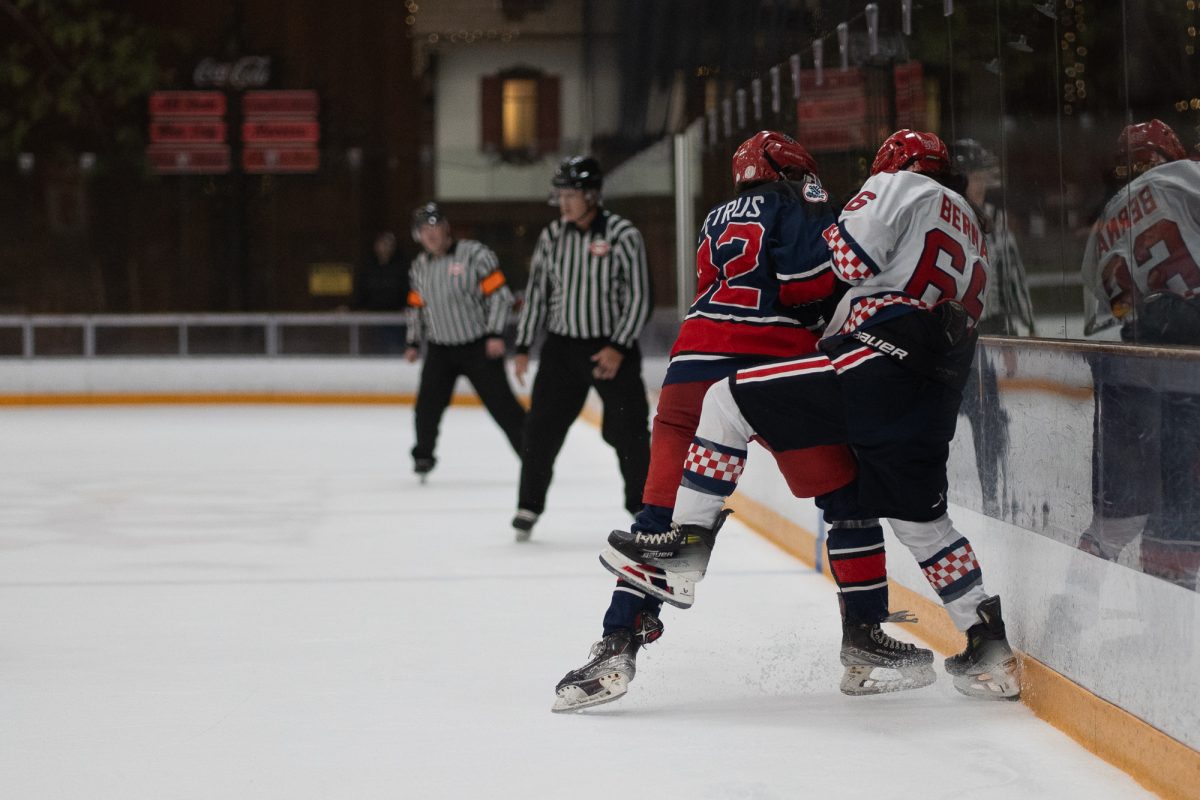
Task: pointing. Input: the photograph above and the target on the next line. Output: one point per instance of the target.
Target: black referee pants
(443, 364)
(559, 392)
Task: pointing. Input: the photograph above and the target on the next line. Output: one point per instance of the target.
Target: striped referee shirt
(457, 298)
(587, 284)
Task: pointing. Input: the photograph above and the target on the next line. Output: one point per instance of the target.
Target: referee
(590, 288)
(458, 306)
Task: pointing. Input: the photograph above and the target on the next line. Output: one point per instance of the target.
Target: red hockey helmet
(770, 156)
(922, 151)
(1145, 144)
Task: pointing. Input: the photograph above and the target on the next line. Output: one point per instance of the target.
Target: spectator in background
(381, 285)
(459, 304)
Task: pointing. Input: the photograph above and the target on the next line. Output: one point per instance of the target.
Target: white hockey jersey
(904, 243)
(1146, 241)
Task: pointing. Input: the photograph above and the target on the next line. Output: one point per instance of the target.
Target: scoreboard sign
(187, 104)
(188, 134)
(265, 160)
(189, 160)
(302, 104)
(281, 132)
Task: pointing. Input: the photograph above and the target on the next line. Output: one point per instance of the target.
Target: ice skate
(666, 566)
(422, 467)
(523, 523)
(987, 668)
(606, 676)
(867, 648)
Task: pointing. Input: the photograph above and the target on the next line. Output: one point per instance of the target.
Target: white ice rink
(261, 602)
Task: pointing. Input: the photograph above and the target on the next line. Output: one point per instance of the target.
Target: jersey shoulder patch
(814, 192)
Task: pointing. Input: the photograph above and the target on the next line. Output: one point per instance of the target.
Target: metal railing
(272, 326)
(342, 334)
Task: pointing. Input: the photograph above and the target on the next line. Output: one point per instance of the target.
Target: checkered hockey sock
(949, 564)
(710, 474)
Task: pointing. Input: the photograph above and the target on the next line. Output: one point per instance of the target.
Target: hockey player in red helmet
(1145, 145)
(912, 151)
(768, 155)
(761, 262)
(888, 382)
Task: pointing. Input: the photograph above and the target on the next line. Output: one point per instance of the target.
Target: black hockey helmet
(578, 172)
(428, 214)
(969, 155)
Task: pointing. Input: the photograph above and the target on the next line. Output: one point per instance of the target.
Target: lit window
(519, 114)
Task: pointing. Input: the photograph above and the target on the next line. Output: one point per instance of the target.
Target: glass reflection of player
(1141, 266)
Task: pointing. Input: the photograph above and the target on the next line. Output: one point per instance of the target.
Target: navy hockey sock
(858, 563)
(652, 519)
(627, 602)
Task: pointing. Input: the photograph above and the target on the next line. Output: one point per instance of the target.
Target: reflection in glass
(1146, 466)
(1141, 259)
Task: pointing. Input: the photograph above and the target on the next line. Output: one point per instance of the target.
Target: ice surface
(262, 602)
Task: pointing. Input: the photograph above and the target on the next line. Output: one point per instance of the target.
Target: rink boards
(1109, 651)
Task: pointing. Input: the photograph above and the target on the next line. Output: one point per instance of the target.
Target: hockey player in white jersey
(888, 382)
(1141, 267)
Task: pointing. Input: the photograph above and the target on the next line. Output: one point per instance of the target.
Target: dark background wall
(114, 238)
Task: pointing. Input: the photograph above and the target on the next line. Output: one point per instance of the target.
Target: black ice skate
(987, 668)
(606, 676)
(866, 648)
(422, 467)
(666, 566)
(523, 523)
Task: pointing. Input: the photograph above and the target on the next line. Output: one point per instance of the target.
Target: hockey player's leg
(610, 668)
(627, 599)
(668, 564)
(987, 667)
(874, 662)
(675, 422)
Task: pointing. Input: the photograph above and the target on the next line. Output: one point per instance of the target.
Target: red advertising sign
(190, 131)
(832, 116)
(259, 160)
(281, 131)
(189, 159)
(187, 104)
(300, 103)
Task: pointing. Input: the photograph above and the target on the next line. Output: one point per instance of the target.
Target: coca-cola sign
(246, 72)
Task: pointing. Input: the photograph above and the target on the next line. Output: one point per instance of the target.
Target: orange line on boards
(1045, 386)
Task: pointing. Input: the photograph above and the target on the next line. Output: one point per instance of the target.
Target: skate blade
(857, 681)
(669, 587)
(522, 536)
(423, 477)
(612, 686)
(1001, 683)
